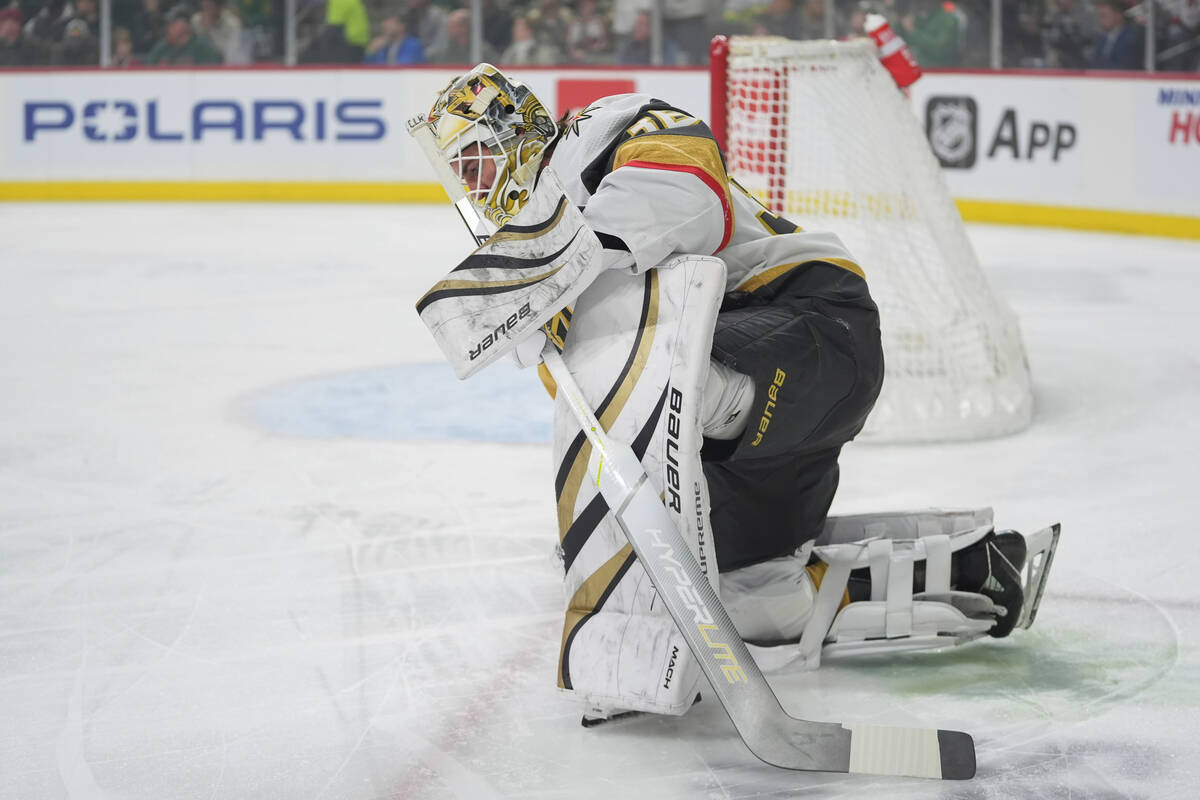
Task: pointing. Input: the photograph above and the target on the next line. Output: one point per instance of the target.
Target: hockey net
(819, 133)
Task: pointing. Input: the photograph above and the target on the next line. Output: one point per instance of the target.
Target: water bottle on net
(893, 52)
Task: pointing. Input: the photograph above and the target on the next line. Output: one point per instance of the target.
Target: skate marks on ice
(495, 730)
(1097, 649)
(501, 404)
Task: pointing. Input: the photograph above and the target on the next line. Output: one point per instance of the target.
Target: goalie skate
(928, 592)
(1039, 557)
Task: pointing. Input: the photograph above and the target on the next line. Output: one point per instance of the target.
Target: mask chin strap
(480, 227)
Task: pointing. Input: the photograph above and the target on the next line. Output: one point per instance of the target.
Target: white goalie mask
(493, 132)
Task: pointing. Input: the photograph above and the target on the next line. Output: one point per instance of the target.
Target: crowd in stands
(1060, 34)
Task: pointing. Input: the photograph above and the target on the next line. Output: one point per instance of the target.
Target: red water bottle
(893, 52)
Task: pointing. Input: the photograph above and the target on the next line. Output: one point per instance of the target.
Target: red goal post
(818, 132)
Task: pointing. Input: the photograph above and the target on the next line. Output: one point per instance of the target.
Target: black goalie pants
(810, 342)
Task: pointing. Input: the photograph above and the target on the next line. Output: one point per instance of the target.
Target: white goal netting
(819, 132)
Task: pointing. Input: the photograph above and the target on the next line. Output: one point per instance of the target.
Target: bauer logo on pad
(951, 123)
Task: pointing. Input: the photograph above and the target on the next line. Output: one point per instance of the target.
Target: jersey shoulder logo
(572, 125)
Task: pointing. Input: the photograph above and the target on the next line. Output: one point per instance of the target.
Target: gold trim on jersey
(588, 596)
(767, 276)
(682, 149)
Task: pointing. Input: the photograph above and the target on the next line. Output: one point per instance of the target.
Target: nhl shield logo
(951, 123)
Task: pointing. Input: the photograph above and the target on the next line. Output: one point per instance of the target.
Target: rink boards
(1076, 150)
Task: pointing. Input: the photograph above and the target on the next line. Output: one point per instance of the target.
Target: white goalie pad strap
(829, 598)
(937, 564)
(894, 617)
(515, 282)
(638, 348)
(899, 621)
(879, 552)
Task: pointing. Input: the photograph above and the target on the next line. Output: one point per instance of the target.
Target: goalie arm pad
(515, 282)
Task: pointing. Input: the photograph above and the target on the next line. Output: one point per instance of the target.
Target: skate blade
(1039, 557)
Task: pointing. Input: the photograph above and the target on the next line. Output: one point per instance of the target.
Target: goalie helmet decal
(494, 133)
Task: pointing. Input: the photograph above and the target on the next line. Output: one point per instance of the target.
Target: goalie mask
(494, 133)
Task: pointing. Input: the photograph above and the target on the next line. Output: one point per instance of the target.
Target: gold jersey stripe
(774, 273)
(688, 151)
(588, 596)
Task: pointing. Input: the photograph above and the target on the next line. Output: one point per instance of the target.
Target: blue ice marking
(411, 401)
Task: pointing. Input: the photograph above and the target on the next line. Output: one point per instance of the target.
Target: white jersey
(651, 180)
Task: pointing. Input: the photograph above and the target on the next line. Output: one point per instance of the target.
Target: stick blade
(911, 752)
(957, 751)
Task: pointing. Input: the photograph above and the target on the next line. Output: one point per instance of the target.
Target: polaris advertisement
(1120, 144)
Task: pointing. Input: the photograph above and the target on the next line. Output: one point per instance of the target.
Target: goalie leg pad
(639, 349)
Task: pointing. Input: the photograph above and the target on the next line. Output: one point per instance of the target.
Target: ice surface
(256, 543)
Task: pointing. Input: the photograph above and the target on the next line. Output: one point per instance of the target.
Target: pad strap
(892, 618)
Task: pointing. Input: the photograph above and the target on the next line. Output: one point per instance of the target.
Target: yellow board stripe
(222, 191)
(1140, 222)
(1090, 219)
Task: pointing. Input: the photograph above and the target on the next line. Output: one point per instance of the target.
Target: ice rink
(257, 542)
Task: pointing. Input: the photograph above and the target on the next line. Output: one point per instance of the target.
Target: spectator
(1067, 29)
(635, 48)
(351, 17)
(262, 25)
(526, 49)
(856, 23)
(396, 45)
(123, 55)
(497, 26)
(47, 25)
(428, 22)
(221, 26)
(148, 27)
(1119, 45)
(17, 49)
(343, 40)
(587, 36)
(932, 34)
(812, 17)
(685, 24)
(86, 11)
(1182, 29)
(458, 41)
(778, 18)
(78, 48)
(550, 22)
(180, 46)
(623, 17)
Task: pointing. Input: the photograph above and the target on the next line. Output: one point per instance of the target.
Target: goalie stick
(771, 733)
